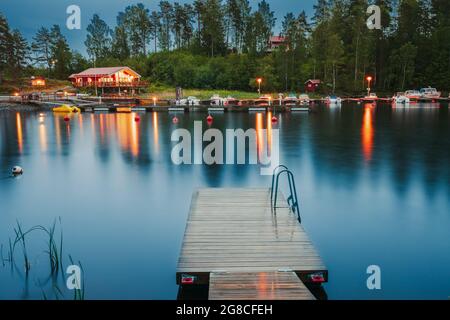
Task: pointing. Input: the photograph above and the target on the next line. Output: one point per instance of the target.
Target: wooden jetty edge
(243, 250)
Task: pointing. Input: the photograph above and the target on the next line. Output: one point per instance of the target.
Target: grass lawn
(23, 85)
(205, 94)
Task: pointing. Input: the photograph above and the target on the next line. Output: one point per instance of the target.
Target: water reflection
(43, 137)
(19, 132)
(367, 132)
(155, 133)
(344, 159)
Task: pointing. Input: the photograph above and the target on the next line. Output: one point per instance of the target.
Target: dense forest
(223, 44)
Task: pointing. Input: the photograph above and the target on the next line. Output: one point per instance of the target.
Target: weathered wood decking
(258, 286)
(234, 231)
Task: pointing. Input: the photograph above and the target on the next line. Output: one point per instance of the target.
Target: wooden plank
(257, 286)
(236, 230)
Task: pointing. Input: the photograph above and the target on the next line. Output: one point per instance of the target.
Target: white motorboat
(430, 93)
(333, 100)
(189, 101)
(401, 98)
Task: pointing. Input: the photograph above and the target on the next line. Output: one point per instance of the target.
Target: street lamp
(369, 80)
(259, 80)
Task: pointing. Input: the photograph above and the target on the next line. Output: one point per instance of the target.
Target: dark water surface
(374, 184)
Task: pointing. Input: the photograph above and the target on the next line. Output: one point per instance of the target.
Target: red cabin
(312, 85)
(112, 77)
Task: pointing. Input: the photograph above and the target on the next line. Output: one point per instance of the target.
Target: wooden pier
(237, 245)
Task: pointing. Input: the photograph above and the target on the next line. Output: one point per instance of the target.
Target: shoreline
(19, 107)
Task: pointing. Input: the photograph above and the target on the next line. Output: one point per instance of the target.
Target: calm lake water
(374, 185)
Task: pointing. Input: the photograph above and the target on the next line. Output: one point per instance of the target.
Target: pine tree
(98, 40)
(166, 14)
(61, 53)
(213, 29)
(5, 43)
(265, 20)
(137, 24)
(41, 48)
(119, 46)
(155, 26)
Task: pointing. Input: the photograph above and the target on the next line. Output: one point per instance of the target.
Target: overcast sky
(29, 15)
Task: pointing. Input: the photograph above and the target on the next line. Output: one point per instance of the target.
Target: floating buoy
(209, 119)
(66, 118)
(17, 171)
(175, 120)
(137, 118)
(274, 119)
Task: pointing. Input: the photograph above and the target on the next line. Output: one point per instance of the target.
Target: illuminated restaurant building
(114, 79)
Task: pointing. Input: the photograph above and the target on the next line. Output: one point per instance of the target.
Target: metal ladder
(292, 200)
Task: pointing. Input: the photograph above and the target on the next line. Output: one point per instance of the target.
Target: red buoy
(209, 119)
(137, 118)
(274, 119)
(175, 120)
(66, 118)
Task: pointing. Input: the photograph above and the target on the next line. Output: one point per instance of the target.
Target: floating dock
(242, 249)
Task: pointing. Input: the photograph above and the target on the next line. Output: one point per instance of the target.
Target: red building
(275, 42)
(38, 81)
(312, 85)
(111, 77)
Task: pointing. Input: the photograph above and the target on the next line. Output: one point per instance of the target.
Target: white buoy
(17, 171)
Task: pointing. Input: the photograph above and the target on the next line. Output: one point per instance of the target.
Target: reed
(79, 293)
(54, 251)
(20, 238)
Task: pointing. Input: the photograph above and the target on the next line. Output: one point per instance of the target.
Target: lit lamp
(369, 80)
(154, 101)
(259, 80)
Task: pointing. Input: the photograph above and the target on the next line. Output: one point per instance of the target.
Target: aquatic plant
(79, 293)
(55, 255)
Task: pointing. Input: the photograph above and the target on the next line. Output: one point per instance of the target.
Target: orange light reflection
(367, 132)
(19, 132)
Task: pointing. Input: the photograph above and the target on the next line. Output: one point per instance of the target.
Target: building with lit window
(112, 78)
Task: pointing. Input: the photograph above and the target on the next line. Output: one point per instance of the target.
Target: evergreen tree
(155, 27)
(98, 40)
(265, 22)
(41, 48)
(19, 53)
(166, 14)
(137, 24)
(213, 29)
(5, 43)
(119, 46)
(61, 53)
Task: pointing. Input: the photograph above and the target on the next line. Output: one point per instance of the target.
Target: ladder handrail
(292, 200)
(275, 171)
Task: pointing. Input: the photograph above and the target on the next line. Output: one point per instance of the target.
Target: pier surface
(235, 244)
(258, 286)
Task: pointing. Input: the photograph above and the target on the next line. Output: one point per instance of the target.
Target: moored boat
(290, 100)
(66, 109)
(216, 100)
(333, 100)
(430, 93)
(263, 101)
(371, 97)
(189, 101)
(400, 98)
(304, 100)
(413, 95)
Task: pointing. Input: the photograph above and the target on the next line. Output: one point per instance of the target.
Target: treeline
(223, 44)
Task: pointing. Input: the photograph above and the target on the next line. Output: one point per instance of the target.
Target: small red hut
(37, 81)
(312, 85)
